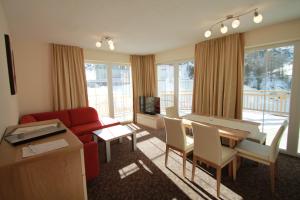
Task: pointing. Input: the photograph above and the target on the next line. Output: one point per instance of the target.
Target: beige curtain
(69, 82)
(143, 78)
(218, 81)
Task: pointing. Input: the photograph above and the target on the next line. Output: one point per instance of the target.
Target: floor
(143, 175)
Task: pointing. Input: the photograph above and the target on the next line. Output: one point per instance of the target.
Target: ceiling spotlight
(223, 29)
(98, 44)
(207, 33)
(111, 46)
(257, 17)
(236, 23)
(110, 42)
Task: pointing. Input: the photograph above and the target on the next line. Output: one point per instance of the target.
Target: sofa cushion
(61, 115)
(91, 160)
(81, 116)
(86, 128)
(86, 138)
(27, 119)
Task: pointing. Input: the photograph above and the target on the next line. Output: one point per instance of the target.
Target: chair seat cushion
(189, 143)
(258, 138)
(253, 149)
(86, 128)
(227, 154)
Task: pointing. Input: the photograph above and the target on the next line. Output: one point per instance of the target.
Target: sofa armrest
(91, 160)
(27, 119)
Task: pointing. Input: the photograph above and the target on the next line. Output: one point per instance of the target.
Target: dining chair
(262, 153)
(208, 149)
(177, 139)
(172, 112)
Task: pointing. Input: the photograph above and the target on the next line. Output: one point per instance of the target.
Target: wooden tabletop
(10, 154)
(114, 132)
(233, 134)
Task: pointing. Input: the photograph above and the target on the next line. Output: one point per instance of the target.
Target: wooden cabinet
(57, 174)
(152, 121)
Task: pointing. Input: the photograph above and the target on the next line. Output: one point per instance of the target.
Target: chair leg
(193, 169)
(184, 162)
(276, 169)
(234, 166)
(218, 180)
(167, 153)
(272, 176)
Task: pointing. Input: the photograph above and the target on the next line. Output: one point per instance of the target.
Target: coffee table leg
(133, 139)
(120, 140)
(95, 138)
(107, 146)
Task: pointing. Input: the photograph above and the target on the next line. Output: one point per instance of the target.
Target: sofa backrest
(70, 118)
(61, 115)
(81, 116)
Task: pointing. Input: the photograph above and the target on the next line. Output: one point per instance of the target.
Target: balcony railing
(267, 100)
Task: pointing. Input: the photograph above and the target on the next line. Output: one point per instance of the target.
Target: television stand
(151, 121)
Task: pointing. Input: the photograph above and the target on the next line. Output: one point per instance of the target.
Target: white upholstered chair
(262, 153)
(177, 139)
(172, 112)
(208, 149)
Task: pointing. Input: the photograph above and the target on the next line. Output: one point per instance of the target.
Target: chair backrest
(275, 143)
(172, 112)
(207, 144)
(175, 134)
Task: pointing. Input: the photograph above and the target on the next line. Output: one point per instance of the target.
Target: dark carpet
(143, 175)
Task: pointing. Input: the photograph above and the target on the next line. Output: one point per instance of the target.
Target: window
(110, 90)
(267, 89)
(175, 86)
(122, 92)
(96, 75)
(185, 93)
(165, 86)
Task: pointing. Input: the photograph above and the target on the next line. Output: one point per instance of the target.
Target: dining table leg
(230, 166)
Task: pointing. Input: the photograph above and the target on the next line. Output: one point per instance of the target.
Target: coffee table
(113, 133)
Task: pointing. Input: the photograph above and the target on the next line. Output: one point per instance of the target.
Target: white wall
(33, 67)
(183, 53)
(8, 104)
(106, 56)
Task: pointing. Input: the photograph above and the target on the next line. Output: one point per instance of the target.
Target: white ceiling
(138, 26)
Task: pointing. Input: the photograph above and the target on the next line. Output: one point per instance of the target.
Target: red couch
(81, 121)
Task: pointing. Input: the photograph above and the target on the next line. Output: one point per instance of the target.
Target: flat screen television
(149, 105)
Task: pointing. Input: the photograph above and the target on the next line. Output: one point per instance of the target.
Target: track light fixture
(257, 18)
(223, 29)
(107, 40)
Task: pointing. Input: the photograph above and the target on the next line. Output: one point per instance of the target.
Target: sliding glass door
(267, 89)
(122, 92)
(185, 89)
(165, 86)
(110, 90)
(97, 87)
(175, 86)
